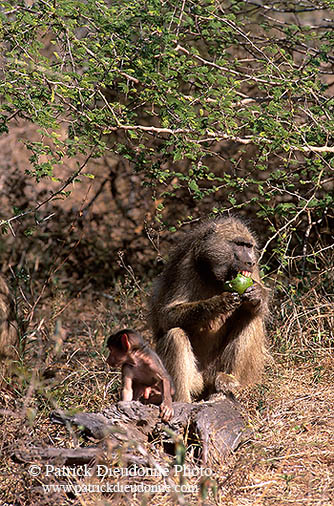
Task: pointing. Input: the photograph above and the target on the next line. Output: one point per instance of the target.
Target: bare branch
(51, 197)
(218, 136)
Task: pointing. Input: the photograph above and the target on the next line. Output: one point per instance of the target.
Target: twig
(129, 270)
(311, 254)
(287, 224)
(218, 136)
(52, 196)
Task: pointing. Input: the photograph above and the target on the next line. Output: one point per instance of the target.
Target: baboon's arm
(183, 313)
(127, 387)
(166, 407)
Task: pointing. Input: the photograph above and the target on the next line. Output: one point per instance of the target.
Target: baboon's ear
(210, 229)
(125, 342)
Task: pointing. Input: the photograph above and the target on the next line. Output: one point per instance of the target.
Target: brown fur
(201, 330)
(144, 376)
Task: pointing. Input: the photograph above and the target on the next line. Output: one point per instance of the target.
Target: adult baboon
(210, 339)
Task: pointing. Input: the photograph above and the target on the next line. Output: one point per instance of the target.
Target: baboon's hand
(166, 411)
(230, 300)
(253, 296)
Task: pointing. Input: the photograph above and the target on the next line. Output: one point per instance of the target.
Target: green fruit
(239, 284)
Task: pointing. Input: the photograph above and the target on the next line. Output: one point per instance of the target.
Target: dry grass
(288, 461)
(290, 458)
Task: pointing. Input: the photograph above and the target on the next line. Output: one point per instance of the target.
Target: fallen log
(63, 456)
(217, 427)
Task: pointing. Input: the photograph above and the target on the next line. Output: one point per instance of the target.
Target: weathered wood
(62, 456)
(218, 426)
(75, 456)
(221, 428)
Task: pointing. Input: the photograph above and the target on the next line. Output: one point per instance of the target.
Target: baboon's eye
(244, 244)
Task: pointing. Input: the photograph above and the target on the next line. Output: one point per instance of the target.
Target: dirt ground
(288, 459)
(83, 267)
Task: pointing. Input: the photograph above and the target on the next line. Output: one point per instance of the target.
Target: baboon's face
(116, 356)
(225, 252)
(244, 258)
(236, 256)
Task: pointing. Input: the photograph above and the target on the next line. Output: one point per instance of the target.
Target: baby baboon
(210, 339)
(144, 376)
(8, 327)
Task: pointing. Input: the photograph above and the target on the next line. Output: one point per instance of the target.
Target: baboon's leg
(178, 357)
(242, 359)
(250, 353)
